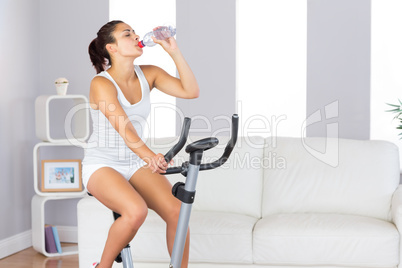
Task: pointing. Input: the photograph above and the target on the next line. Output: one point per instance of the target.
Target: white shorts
(127, 171)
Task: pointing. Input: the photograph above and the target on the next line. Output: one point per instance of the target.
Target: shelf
(78, 116)
(38, 226)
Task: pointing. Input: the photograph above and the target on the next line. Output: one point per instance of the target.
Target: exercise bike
(185, 192)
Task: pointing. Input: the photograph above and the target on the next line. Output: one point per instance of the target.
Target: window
(271, 40)
(386, 68)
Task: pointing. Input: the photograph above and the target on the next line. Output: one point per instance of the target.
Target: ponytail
(97, 58)
(98, 54)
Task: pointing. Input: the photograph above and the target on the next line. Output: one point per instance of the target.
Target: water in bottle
(160, 33)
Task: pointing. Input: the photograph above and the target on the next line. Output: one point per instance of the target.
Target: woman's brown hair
(98, 54)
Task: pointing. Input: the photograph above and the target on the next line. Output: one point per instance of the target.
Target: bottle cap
(141, 44)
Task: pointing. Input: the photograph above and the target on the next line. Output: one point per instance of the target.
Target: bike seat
(202, 145)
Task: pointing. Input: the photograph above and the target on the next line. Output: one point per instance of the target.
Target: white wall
(40, 41)
(206, 36)
(66, 29)
(338, 67)
(19, 33)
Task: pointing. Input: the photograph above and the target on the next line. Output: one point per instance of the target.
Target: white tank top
(106, 146)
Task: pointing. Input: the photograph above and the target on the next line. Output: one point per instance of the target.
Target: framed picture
(61, 176)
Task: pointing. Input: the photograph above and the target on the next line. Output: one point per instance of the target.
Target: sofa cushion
(215, 237)
(326, 239)
(322, 175)
(235, 187)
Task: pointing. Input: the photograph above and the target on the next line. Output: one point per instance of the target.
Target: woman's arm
(186, 87)
(103, 97)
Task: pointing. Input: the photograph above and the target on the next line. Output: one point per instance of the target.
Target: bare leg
(116, 193)
(157, 193)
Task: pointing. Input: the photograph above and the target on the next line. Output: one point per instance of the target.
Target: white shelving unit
(79, 114)
(38, 226)
(76, 136)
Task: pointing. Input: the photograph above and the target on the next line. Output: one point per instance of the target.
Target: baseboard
(15, 243)
(21, 241)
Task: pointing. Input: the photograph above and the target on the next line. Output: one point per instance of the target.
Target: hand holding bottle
(168, 44)
(160, 33)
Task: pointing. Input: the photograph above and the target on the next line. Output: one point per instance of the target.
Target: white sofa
(278, 202)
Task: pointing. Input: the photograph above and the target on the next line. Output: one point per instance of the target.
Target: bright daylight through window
(271, 61)
(386, 69)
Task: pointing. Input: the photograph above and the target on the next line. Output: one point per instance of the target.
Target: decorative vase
(61, 88)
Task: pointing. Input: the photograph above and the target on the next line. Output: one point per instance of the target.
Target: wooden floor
(30, 258)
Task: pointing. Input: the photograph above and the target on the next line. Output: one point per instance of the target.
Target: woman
(118, 168)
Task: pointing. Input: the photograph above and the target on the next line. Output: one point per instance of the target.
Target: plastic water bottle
(161, 33)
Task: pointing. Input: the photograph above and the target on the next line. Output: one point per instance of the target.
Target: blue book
(56, 239)
(50, 244)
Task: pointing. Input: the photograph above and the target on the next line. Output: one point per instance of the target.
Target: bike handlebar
(228, 149)
(182, 141)
(183, 138)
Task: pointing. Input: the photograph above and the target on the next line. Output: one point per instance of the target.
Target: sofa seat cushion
(326, 239)
(215, 237)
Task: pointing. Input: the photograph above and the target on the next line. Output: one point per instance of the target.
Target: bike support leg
(126, 258)
(184, 218)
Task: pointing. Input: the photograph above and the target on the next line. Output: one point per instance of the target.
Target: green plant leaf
(397, 116)
(393, 111)
(397, 110)
(394, 105)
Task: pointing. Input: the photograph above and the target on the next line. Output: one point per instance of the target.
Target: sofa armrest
(396, 212)
(396, 207)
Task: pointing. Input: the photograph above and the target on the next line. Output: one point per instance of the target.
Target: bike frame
(185, 192)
